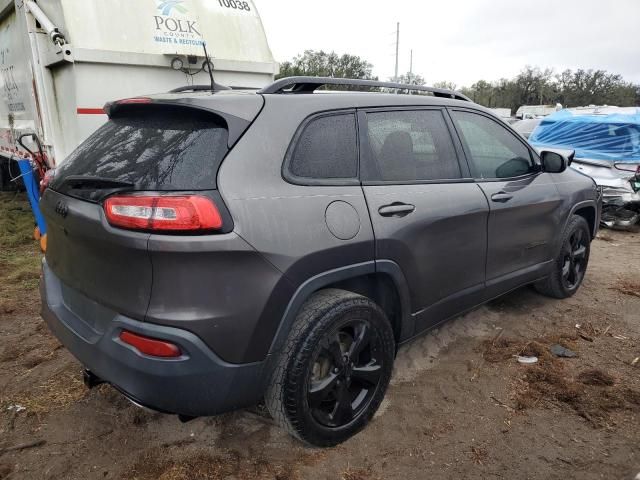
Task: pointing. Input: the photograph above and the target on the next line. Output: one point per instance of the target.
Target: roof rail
(310, 84)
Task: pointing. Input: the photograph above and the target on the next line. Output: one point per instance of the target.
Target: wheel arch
(382, 281)
(588, 210)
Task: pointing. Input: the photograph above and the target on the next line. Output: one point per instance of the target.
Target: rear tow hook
(90, 379)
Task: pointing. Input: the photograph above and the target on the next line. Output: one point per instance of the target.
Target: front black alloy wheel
(334, 370)
(571, 264)
(574, 259)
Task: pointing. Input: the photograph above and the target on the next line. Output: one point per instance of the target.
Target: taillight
(150, 346)
(174, 213)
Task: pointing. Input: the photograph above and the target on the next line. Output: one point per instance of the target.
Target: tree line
(532, 86)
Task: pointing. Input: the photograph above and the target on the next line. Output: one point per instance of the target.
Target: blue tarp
(613, 137)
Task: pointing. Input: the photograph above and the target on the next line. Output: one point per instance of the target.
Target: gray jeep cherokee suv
(208, 250)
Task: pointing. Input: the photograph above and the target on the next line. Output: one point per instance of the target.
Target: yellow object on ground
(43, 243)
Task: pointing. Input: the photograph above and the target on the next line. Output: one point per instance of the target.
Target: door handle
(501, 197)
(396, 209)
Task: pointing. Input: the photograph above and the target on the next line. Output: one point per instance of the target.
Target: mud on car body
(219, 248)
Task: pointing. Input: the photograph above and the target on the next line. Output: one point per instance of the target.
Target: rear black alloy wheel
(574, 260)
(346, 373)
(334, 369)
(571, 264)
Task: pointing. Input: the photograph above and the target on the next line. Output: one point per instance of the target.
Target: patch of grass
(162, 464)
(20, 255)
(504, 348)
(57, 393)
(357, 474)
(479, 455)
(628, 287)
(593, 394)
(5, 470)
(154, 465)
(596, 377)
(30, 350)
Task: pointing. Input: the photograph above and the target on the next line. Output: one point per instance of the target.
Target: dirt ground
(460, 406)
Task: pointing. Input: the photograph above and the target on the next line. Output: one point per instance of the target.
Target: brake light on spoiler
(109, 107)
(135, 100)
(164, 213)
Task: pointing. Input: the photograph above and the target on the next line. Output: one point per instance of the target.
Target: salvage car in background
(527, 126)
(607, 145)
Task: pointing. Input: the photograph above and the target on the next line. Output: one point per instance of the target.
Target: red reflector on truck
(150, 346)
(90, 111)
(162, 213)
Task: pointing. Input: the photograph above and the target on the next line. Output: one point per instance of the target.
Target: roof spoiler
(200, 88)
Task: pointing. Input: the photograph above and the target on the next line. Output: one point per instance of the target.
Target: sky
(462, 40)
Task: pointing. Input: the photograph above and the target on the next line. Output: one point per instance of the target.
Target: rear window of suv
(153, 148)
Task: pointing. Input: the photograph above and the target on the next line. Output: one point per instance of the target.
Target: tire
(4, 180)
(315, 383)
(571, 263)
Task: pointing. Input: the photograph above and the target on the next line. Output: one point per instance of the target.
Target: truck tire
(4, 176)
(334, 370)
(571, 263)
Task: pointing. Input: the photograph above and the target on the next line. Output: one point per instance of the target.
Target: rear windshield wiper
(82, 182)
(91, 188)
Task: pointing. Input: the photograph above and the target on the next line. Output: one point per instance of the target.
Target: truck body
(62, 60)
(533, 111)
(504, 113)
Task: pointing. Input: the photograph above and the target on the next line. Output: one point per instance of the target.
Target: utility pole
(411, 61)
(397, 49)
(411, 66)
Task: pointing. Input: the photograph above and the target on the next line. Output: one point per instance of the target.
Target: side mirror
(554, 162)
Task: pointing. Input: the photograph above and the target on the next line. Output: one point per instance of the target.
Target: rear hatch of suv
(151, 169)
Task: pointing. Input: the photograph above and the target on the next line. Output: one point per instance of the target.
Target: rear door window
(153, 148)
(411, 145)
(326, 149)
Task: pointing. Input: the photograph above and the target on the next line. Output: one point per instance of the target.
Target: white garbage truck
(62, 60)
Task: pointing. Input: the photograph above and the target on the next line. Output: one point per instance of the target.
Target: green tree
(411, 78)
(446, 85)
(586, 87)
(327, 64)
(534, 86)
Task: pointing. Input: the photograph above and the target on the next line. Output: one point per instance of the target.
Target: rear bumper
(196, 384)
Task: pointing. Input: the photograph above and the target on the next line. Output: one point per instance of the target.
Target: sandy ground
(459, 407)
